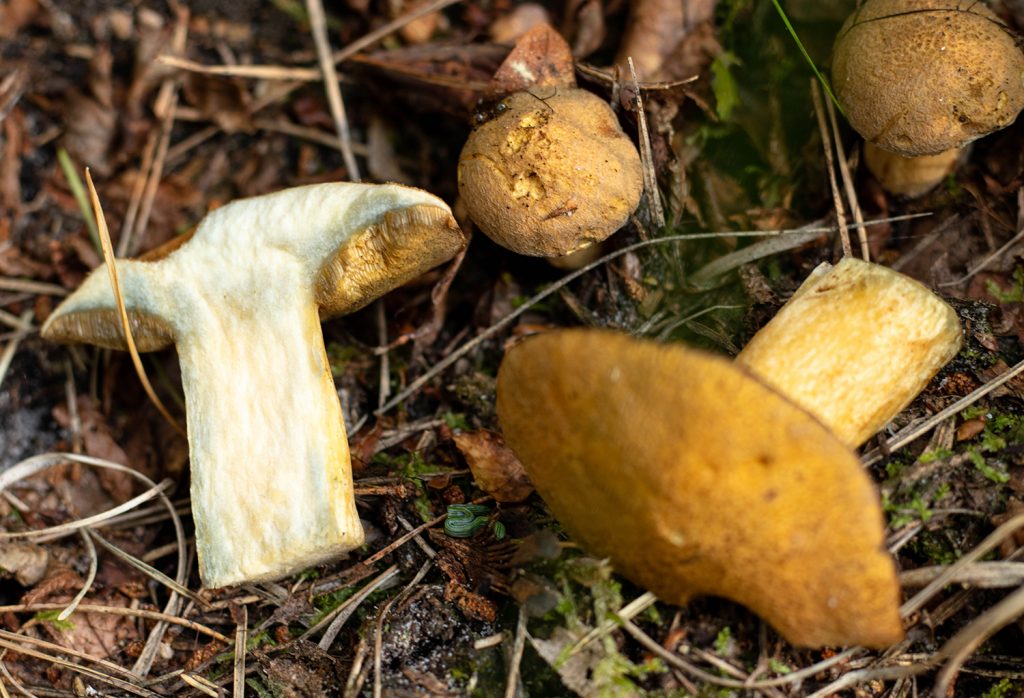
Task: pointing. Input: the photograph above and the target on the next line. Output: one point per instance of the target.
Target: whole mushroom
(923, 77)
(548, 171)
(242, 302)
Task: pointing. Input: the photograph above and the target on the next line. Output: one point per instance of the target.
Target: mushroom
(921, 77)
(242, 301)
(854, 345)
(694, 477)
(548, 170)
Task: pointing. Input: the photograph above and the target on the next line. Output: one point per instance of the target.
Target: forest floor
(177, 109)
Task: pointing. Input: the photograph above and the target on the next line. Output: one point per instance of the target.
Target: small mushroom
(548, 171)
(921, 77)
(694, 477)
(242, 301)
(854, 345)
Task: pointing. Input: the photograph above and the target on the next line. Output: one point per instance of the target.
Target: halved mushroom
(694, 477)
(855, 345)
(242, 301)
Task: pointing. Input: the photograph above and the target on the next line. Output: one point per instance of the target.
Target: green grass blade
(807, 57)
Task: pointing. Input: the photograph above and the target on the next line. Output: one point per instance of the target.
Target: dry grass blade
(241, 648)
(826, 144)
(57, 649)
(66, 529)
(646, 154)
(90, 577)
(28, 286)
(15, 322)
(150, 571)
(12, 346)
(336, 619)
(914, 432)
(256, 72)
(391, 27)
(984, 547)
(518, 646)
(108, 257)
(627, 612)
(201, 685)
(318, 25)
(965, 642)
(378, 634)
(981, 575)
(557, 286)
(79, 669)
(851, 192)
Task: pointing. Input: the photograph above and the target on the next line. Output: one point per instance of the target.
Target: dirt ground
(179, 108)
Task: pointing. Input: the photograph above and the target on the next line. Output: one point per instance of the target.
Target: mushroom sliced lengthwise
(242, 301)
(695, 478)
(855, 345)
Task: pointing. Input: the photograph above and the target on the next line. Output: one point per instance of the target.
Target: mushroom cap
(550, 174)
(918, 77)
(355, 242)
(695, 478)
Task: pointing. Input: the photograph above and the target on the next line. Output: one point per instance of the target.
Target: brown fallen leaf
(495, 467)
(98, 635)
(26, 562)
(99, 442)
(540, 59)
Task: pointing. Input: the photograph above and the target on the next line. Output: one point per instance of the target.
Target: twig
(318, 25)
(378, 635)
(258, 72)
(78, 668)
(200, 684)
(851, 193)
(518, 646)
(826, 144)
(120, 611)
(657, 213)
(241, 647)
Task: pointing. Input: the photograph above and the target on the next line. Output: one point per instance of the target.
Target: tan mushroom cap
(695, 478)
(550, 174)
(918, 77)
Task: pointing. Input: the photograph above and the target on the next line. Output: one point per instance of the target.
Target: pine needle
(108, 257)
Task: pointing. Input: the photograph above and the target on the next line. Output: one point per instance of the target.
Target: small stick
(646, 154)
(826, 144)
(318, 25)
(519, 644)
(12, 347)
(241, 634)
(851, 193)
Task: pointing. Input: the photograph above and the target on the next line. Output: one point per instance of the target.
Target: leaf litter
(90, 79)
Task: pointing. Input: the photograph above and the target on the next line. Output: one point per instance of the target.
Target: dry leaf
(26, 562)
(98, 635)
(541, 58)
(695, 478)
(495, 467)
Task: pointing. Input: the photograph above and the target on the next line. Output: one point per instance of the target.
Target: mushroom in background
(242, 301)
(924, 78)
(696, 478)
(548, 170)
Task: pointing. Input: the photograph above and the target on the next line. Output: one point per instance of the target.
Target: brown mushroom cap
(551, 173)
(695, 478)
(918, 77)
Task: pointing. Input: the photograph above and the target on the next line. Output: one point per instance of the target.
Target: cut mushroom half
(696, 478)
(855, 345)
(242, 301)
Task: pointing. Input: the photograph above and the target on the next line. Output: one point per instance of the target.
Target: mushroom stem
(909, 176)
(271, 483)
(854, 345)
